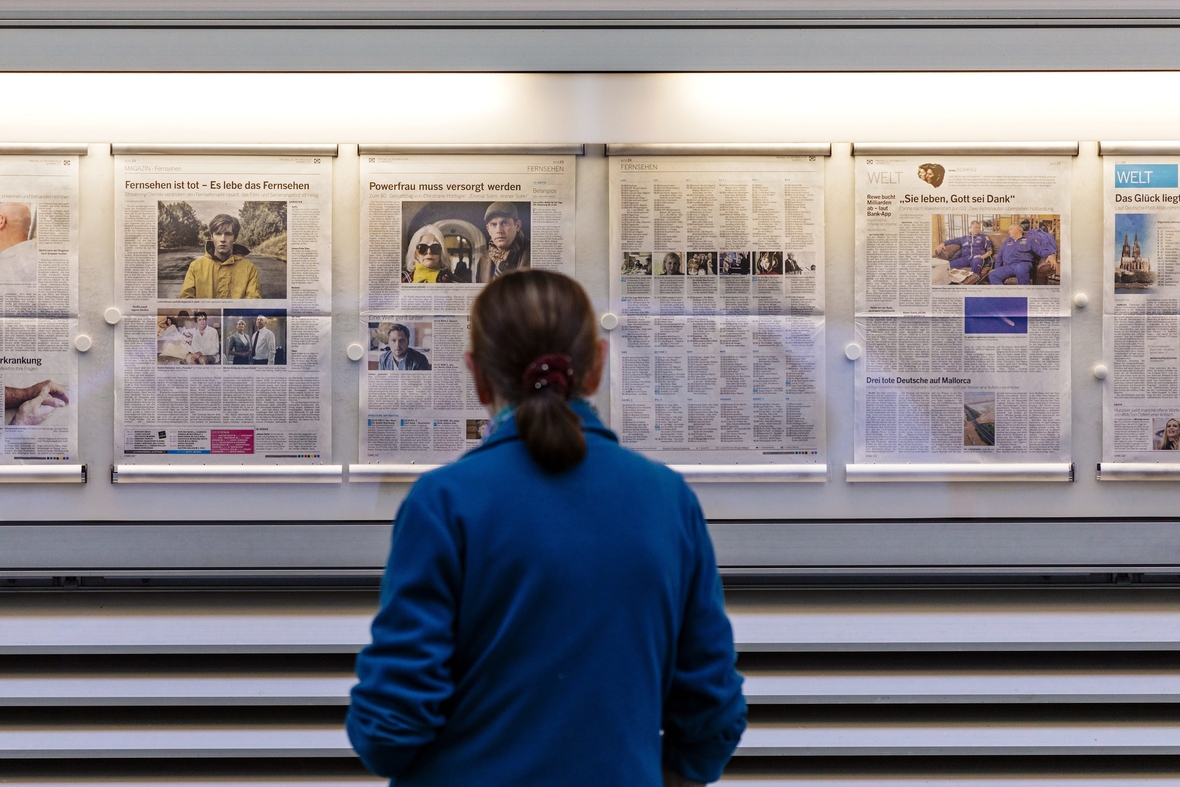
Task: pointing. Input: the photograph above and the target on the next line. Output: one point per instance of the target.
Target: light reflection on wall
(591, 107)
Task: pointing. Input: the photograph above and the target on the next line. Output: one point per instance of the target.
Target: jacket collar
(507, 429)
(237, 251)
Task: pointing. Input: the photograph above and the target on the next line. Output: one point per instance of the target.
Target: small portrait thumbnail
(402, 346)
(18, 242)
(932, 174)
(636, 263)
(671, 265)
(213, 249)
(1134, 238)
(979, 418)
(255, 337)
(995, 315)
(701, 263)
(189, 337)
(791, 265)
(1165, 434)
(464, 241)
(477, 428)
(768, 263)
(32, 399)
(734, 263)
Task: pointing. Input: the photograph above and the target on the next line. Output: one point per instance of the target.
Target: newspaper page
(962, 285)
(1141, 309)
(434, 230)
(223, 269)
(717, 277)
(39, 288)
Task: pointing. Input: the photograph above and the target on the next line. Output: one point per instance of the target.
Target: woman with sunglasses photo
(427, 260)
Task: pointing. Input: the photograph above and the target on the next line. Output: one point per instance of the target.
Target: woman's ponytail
(551, 432)
(533, 336)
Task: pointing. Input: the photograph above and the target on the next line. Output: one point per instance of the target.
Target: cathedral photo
(1134, 272)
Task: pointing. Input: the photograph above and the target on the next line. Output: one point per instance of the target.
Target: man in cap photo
(509, 246)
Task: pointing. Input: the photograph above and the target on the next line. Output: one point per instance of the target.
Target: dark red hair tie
(549, 371)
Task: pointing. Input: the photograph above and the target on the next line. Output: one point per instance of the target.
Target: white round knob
(112, 316)
(1100, 371)
(610, 321)
(1080, 300)
(852, 351)
(355, 352)
(83, 343)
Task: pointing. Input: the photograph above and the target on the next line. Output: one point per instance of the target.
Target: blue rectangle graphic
(992, 315)
(1145, 176)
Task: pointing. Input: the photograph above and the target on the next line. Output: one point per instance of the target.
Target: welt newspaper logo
(1145, 176)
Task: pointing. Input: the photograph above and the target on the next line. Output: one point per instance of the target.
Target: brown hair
(223, 221)
(519, 317)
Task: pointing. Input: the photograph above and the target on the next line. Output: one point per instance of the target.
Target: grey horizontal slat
(571, 12)
(458, 47)
(326, 622)
(940, 546)
(211, 781)
(171, 691)
(149, 549)
(785, 780)
(958, 739)
(760, 739)
(954, 620)
(964, 780)
(894, 688)
(759, 690)
(158, 742)
(894, 546)
(782, 621)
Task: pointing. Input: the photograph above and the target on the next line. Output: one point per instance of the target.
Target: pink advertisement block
(231, 441)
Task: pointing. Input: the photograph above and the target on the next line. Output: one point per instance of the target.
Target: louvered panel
(840, 676)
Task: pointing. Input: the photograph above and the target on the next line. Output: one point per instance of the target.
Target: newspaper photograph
(717, 277)
(434, 231)
(224, 271)
(1141, 309)
(962, 308)
(38, 317)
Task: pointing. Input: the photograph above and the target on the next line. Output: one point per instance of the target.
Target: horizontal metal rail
(203, 149)
(227, 474)
(965, 148)
(43, 474)
(395, 149)
(44, 148)
(720, 149)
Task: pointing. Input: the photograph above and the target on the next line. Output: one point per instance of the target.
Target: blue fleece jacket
(541, 629)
